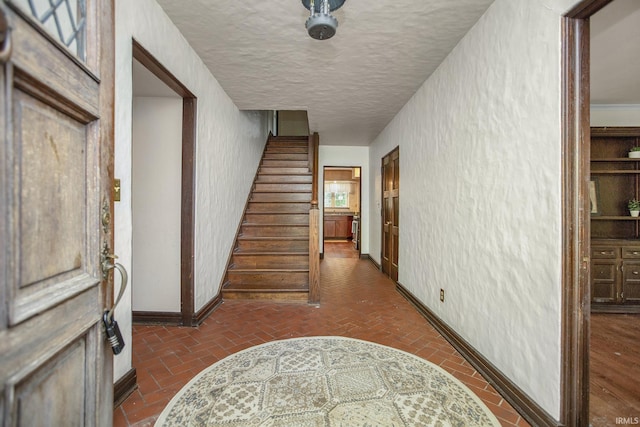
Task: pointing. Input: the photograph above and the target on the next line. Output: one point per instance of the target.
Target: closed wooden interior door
(56, 113)
(390, 213)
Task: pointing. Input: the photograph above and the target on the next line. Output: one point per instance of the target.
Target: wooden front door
(390, 213)
(56, 119)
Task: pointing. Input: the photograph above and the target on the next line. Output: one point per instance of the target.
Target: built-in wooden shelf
(616, 159)
(615, 172)
(615, 236)
(614, 218)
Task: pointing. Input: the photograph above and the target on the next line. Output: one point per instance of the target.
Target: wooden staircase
(270, 259)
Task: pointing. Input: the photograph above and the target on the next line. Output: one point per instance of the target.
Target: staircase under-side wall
(270, 259)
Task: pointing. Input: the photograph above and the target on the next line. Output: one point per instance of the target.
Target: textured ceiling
(615, 54)
(353, 84)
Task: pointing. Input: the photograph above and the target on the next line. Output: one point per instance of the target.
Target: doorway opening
(163, 178)
(341, 211)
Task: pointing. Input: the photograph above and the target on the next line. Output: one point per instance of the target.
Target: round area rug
(325, 381)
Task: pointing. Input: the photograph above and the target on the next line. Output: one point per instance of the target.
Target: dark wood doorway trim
(187, 250)
(574, 410)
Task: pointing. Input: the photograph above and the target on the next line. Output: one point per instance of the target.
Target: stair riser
(282, 170)
(280, 188)
(266, 231)
(307, 179)
(288, 297)
(285, 163)
(273, 245)
(286, 156)
(298, 262)
(277, 219)
(268, 280)
(281, 197)
(289, 143)
(294, 208)
(286, 150)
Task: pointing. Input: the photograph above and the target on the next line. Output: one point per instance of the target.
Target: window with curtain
(336, 194)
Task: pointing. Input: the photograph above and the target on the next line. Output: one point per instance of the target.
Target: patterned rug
(325, 381)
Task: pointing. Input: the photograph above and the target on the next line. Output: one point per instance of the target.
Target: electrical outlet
(441, 295)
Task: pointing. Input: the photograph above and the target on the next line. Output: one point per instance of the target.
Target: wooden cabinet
(615, 275)
(337, 226)
(615, 234)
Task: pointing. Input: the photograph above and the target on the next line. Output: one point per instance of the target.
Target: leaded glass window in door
(65, 20)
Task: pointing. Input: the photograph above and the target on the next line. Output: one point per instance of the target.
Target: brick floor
(356, 301)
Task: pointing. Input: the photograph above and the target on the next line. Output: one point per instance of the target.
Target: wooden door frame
(575, 305)
(187, 315)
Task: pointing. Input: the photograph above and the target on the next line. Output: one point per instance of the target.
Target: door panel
(391, 213)
(55, 161)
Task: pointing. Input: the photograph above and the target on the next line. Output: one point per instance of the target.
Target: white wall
(347, 156)
(615, 115)
(480, 192)
(229, 144)
(156, 203)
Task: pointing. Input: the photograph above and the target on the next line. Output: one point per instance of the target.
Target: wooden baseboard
(520, 401)
(367, 256)
(206, 310)
(156, 318)
(124, 387)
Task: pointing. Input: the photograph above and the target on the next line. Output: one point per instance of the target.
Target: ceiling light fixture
(321, 25)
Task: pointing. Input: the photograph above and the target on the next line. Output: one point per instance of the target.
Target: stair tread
(264, 291)
(272, 238)
(258, 224)
(269, 270)
(269, 253)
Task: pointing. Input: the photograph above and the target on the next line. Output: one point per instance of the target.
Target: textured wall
(156, 204)
(229, 145)
(347, 156)
(480, 201)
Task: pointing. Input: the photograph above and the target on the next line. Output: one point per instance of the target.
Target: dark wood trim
(157, 318)
(144, 57)
(124, 387)
(321, 255)
(187, 223)
(615, 131)
(520, 401)
(373, 261)
(206, 310)
(575, 303)
(188, 217)
(314, 223)
(587, 8)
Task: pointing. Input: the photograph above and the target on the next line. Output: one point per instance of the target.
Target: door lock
(111, 328)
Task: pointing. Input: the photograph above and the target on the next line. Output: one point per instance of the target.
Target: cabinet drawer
(604, 252)
(631, 252)
(603, 272)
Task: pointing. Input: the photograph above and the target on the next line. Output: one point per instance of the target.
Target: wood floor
(614, 375)
(356, 301)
